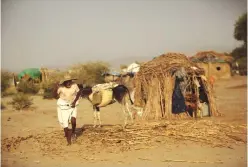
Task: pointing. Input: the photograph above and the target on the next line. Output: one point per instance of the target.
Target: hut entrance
(196, 98)
(191, 98)
(178, 100)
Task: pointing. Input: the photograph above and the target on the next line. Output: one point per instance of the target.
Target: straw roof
(215, 57)
(167, 64)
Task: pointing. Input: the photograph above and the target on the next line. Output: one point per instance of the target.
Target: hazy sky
(57, 33)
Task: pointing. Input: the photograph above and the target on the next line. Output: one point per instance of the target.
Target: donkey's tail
(129, 95)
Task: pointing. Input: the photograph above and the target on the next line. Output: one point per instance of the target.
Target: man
(69, 94)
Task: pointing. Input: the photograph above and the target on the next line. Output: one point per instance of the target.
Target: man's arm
(77, 96)
(56, 91)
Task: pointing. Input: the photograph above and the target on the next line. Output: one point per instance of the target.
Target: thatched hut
(172, 86)
(215, 64)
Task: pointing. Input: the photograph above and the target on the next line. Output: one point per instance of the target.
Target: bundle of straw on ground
(154, 85)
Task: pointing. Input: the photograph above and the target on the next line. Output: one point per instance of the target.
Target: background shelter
(215, 64)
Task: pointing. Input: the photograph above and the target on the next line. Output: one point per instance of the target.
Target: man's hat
(67, 78)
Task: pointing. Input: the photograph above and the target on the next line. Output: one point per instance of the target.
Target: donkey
(121, 95)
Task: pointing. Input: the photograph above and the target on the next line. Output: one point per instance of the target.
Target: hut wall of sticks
(171, 87)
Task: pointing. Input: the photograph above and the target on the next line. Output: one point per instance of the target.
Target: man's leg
(73, 123)
(64, 121)
(68, 135)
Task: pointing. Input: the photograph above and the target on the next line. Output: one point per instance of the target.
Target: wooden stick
(145, 159)
(212, 162)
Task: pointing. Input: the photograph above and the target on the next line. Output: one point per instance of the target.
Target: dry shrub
(89, 73)
(28, 87)
(54, 77)
(50, 85)
(49, 89)
(21, 101)
(5, 80)
(10, 91)
(2, 106)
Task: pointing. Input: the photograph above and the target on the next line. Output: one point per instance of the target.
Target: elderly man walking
(68, 93)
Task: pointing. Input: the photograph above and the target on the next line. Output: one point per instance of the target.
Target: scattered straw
(114, 139)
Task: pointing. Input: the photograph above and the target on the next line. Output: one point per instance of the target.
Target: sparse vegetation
(49, 85)
(49, 89)
(240, 34)
(53, 78)
(5, 80)
(9, 91)
(21, 101)
(28, 87)
(90, 73)
(2, 106)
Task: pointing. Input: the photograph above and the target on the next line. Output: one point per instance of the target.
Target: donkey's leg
(98, 116)
(129, 112)
(95, 116)
(125, 115)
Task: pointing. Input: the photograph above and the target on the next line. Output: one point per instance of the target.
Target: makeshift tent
(169, 87)
(33, 73)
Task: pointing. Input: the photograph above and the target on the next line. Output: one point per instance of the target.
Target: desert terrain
(34, 137)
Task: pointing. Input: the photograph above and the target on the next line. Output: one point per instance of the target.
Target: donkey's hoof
(124, 127)
(132, 123)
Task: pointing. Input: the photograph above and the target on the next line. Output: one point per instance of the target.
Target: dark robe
(178, 101)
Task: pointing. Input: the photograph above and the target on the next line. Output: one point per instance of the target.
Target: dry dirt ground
(34, 138)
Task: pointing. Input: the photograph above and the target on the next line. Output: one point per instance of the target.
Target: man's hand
(73, 105)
